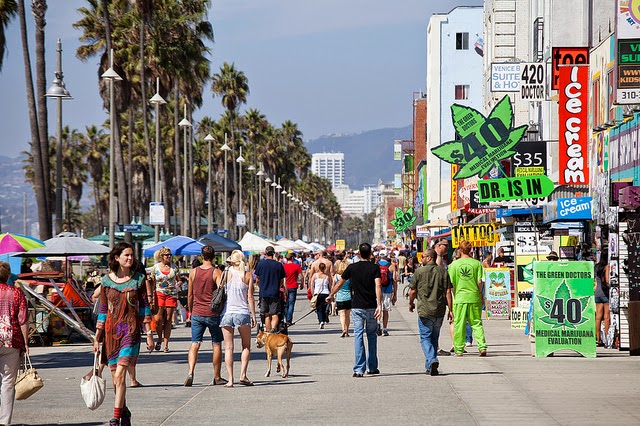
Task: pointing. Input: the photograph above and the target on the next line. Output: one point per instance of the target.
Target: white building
(356, 203)
(329, 165)
(454, 75)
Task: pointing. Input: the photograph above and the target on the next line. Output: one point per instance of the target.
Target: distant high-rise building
(329, 165)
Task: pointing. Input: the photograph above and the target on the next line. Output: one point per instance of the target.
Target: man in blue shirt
(271, 280)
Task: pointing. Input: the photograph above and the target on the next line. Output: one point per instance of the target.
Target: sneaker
(379, 330)
(114, 422)
(354, 375)
(189, 380)
(442, 352)
(385, 332)
(468, 344)
(372, 372)
(125, 420)
(433, 368)
(321, 325)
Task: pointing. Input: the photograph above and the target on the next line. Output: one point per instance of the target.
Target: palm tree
(8, 9)
(97, 148)
(41, 184)
(233, 87)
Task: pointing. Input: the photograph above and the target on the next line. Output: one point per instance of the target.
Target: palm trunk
(39, 8)
(176, 148)
(96, 200)
(143, 93)
(233, 186)
(192, 198)
(122, 184)
(42, 198)
(130, 157)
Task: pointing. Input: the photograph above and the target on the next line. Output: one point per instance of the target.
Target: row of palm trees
(165, 40)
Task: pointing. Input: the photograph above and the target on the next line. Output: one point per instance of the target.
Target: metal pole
(157, 177)
(185, 188)
(24, 213)
(209, 209)
(112, 188)
(259, 180)
(226, 191)
(240, 188)
(267, 202)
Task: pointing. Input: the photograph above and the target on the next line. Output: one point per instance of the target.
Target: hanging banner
(519, 318)
(517, 188)
(573, 115)
(485, 140)
(533, 81)
(397, 150)
(497, 286)
(628, 75)
(566, 56)
(480, 235)
(156, 213)
(403, 220)
(627, 19)
(564, 307)
(341, 245)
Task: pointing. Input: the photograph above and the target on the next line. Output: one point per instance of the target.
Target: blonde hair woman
(165, 279)
(343, 298)
(240, 313)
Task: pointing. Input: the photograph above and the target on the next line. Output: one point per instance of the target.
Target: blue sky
(332, 66)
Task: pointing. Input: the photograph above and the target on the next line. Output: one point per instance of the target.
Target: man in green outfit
(466, 277)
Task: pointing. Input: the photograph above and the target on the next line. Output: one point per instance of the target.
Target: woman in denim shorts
(240, 313)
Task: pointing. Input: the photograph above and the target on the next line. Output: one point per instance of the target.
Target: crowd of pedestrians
(360, 287)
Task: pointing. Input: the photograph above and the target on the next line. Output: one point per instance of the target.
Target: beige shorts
(386, 301)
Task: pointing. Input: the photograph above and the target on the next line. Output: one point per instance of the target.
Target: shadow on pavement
(471, 373)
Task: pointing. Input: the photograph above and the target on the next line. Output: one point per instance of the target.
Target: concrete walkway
(506, 387)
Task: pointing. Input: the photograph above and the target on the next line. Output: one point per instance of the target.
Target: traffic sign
(131, 228)
(516, 188)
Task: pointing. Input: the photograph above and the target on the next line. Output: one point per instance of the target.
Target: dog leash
(304, 316)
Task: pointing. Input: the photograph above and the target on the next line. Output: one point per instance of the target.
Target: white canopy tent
(253, 243)
(291, 245)
(306, 246)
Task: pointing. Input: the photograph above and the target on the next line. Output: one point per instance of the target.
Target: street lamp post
(185, 124)
(259, 176)
(209, 139)
(240, 160)
(112, 76)
(226, 149)
(252, 225)
(60, 92)
(284, 213)
(267, 201)
(156, 101)
(279, 217)
(274, 185)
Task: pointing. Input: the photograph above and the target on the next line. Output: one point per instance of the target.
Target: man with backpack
(389, 290)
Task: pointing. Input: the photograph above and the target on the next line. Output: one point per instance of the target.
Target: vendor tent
(291, 245)
(219, 243)
(306, 246)
(179, 246)
(317, 246)
(253, 243)
(66, 244)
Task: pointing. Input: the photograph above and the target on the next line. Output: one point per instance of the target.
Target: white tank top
(237, 302)
(321, 286)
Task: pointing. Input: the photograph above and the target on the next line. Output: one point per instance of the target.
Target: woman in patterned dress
(123, 311)
(165, 279)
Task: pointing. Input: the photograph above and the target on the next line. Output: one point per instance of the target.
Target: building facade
(329, 165)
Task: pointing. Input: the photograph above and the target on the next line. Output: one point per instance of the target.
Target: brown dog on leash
(275, 343)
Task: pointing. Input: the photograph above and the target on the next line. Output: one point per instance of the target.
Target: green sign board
(516, 188)
(403, 220)
(484, 140)
(564, 307)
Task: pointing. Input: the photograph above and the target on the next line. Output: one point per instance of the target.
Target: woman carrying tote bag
(14, 340)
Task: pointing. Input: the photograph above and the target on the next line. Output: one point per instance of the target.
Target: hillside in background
(368, 155)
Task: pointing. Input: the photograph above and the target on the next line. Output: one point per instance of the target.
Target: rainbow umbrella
(18, 243)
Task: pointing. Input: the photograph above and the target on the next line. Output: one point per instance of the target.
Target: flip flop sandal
(166, 350)
(158, 345)
(137, 385)
(246, 382)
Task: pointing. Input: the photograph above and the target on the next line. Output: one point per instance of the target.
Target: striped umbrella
(18, 243)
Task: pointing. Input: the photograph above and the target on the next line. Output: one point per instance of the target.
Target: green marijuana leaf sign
(403, 220)
(485, 141)
(564, 310)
